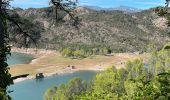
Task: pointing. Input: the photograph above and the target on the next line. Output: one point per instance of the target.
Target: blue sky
(142, 4)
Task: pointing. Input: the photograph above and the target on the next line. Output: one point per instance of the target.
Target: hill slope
(119, 31)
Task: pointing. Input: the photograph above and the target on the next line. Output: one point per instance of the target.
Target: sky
(141, 4)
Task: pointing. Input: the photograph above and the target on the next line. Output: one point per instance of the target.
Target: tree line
(82, 51)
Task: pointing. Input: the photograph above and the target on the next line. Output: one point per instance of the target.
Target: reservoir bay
(35, 89)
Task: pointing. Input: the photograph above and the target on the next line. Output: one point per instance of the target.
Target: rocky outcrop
(81, 10)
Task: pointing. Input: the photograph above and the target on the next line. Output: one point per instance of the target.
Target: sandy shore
(32, 51)
(50, 62)
(64, 70)
(36, 53)
(60, 72)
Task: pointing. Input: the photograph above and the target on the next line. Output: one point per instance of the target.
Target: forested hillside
(116, 30)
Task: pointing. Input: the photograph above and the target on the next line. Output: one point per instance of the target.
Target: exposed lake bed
(51, 62)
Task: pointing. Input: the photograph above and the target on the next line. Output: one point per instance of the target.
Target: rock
(81, 10)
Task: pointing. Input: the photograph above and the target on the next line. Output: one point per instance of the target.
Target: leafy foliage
(137, 81)
(82, 51)
(66, 92)
(5, 76)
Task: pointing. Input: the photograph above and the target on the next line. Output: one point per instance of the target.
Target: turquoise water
(34, 89)
(19, 58)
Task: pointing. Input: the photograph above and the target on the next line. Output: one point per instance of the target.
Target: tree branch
(59, 5)
(20, 29)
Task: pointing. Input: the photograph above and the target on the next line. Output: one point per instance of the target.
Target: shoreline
(36, 53)
(40, 53)
(52, 74)
(50, 63)
(33, 51)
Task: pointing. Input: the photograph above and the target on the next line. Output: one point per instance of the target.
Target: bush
(66, 91)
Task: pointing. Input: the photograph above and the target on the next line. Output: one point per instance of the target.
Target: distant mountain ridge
(120, 8)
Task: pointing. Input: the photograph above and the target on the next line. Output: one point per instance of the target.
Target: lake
(35, 89)
(19, 58)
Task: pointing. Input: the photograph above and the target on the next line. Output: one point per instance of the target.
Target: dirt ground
(55, 63)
